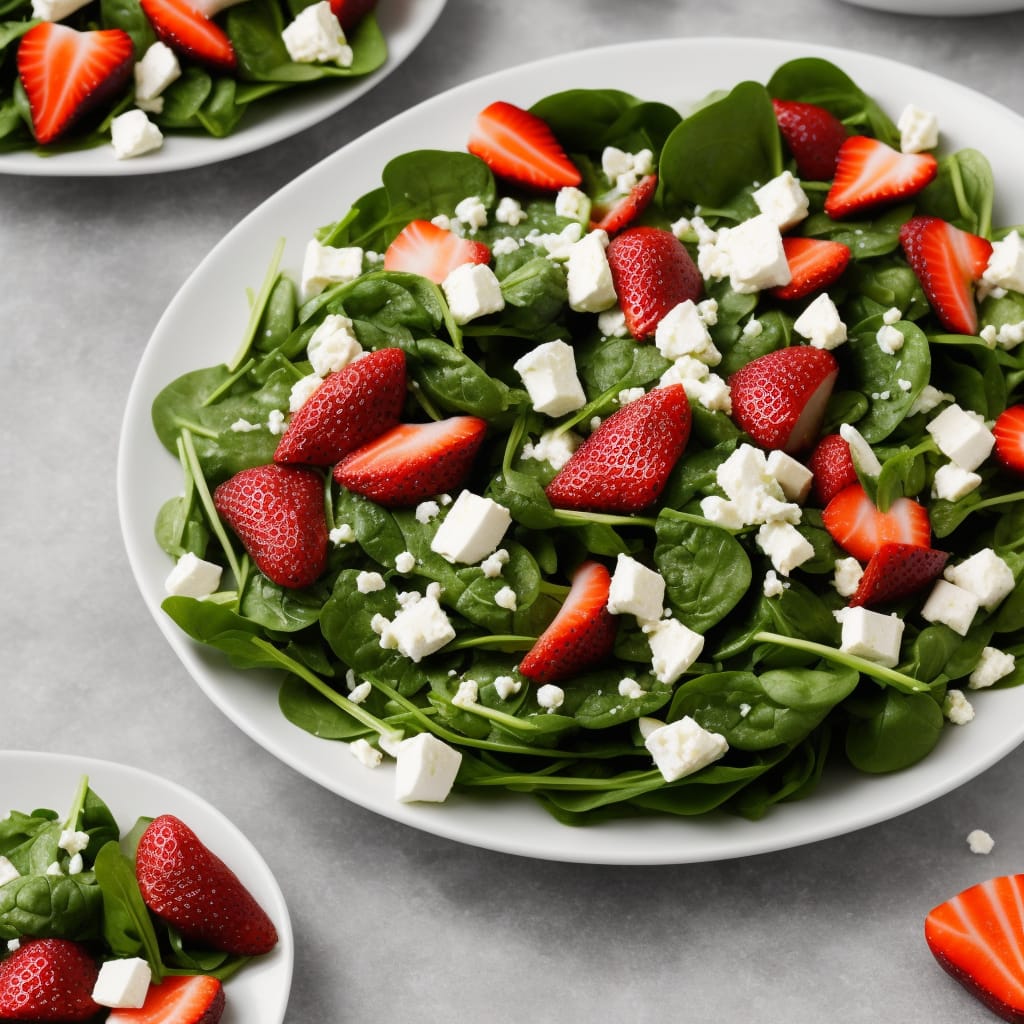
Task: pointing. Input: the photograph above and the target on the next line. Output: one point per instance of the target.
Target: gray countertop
(391, 923)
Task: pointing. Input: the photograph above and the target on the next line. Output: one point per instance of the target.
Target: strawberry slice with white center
(623, 211)
(178, 999)
(68, 74)
(896, 571)
(947, 262)
(813, 135)
(814, 264)
(859, 528)
(413, 461)
(433, 252)
(870, 173)
(779, 398)
(520, 147)
(1009, 434)
(189, 29)
(582, 634)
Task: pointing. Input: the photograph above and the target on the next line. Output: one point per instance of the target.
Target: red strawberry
(413, 461)
(351, 407)
(652, 273)
(813, 135)
(779, 398)
(69, 74)
(1009, 433)
(976, 938)
(625, 210)
(278, 514)
(832, 466)
(423, 248)
(518, 146)
(869, 173)
(858, 527)
(178, 999)
(947, 262)
(185, 883)
(191, 33)
(623, 466)
(897, 570)
(350, 12)
(814, 264)
(580, 636)
(48, 980)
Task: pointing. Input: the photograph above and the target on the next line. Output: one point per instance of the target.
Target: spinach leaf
(127, 927)
(890, 730)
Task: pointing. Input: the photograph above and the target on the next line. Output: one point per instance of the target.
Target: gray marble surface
(390, 923)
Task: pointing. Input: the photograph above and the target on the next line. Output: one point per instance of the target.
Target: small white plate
(942, 8)
(404, 24)
(29, 780)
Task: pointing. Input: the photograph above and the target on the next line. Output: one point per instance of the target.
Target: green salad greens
(771, 678)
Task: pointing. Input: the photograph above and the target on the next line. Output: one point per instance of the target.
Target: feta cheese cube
(420, 628)
(782, 201)
(315, 36)
(848, 572)
(8, 872)
(710, 391)
(472, 212)
(721, 512)
(467, 694)
(333, 345)
(405, 561)
(493, 564)
(674, 648)
(365, 753)
(554, 448)
(682, 331)
(302, 390)
(573, 203)
(631, 689)
(821, 324)
(154, 72)
(122, 984)
(950, 605)
(342, 534)
(871, 635)
(957, 708)
(683, 747)
(636, 590)
(193, 576)
(985, 575)
(133, 134)
(992, 666)
(550, 697)
(509, 211)
(962, 436)
(979, 841)
(794, 477)
(785, 545)
(506, 598)
(506, 686)
(369, 582)
(549, 376)
(772, 585)
(756, 494)
(612, 323)
(360, 692)
(425, 769)
(73, 841)
(588, 276)
(324, 265)
(953, 482)
(472, 291)
(756, 257)
(919, 129)
(472, 529)
(1005, 267)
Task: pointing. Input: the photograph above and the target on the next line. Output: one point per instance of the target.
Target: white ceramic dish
(404, 24)
(259, 992)
(942, 8)
(210, 311)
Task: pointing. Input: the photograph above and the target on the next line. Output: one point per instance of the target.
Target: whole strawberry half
(413, 461)
(859, 528)
(814, 264)
(1009, 434)
(813, 135)
(186, 884)
(178, 999)
(351, 407)
(278, 514)
(779, 398)
(188, 30)
(652, 273)
(947, 261)
(624, 465)
(48, 980)
(870, 173)
(68, 75)
(896, 571)
(621, 213)
(580, 636)
(433, 252)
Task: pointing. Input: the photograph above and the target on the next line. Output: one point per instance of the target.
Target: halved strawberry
(897, 570)
(580, 636)
(178, 999)
(832, 466)
(625, 210)
(191, 33)
(977, 938)
(947, 262)
(423, 248)
(350, 12)
(518, 146)
(813, 135)
(652, 273)
(623, 466)
(814, 264)
(278, 514)
(1009, 434)
(870, 173)
(860, 529)
(779, 398)
(48, 980)
(351, 407)
(413, 461)
(69, 74)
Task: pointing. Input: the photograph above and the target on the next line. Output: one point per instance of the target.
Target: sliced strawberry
(652, 273)
(623, 466)
(860, 529)
(278, 514)
(350, 12)
(814, 264)
(48, 980)
(977, 938)
(897, 570)
(580, 636)
(870, 173)
(947, 262)
(413, 461)
(518, 146)
(1009, 434)
(779, 398)
(813, 135)
(832, 466)
(625, 210)
(191, 33)
(351, 407)
(423, 248)
(69, 74)
(178, 999)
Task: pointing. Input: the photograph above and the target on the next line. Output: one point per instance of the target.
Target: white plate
(942, 8)
(404, 24)
(28, 780)
(210, 312)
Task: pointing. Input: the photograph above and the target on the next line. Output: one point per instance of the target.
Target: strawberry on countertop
(1009, 434)
(896, 571)
(870, 173)
(433, 252)
(189, 29)
(48, 980)
(814, 264)
(178, 999)
(813, 135)
(859, 528)
(832, 466)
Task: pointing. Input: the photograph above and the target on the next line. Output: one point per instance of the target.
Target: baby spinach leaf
(127, 927)
(314, 713)
(51, 906)
(890, 730)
